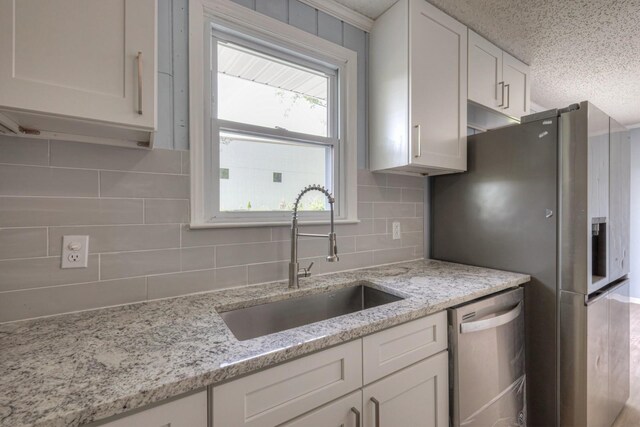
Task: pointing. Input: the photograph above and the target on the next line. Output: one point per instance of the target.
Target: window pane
(265, 91)
(252, 185)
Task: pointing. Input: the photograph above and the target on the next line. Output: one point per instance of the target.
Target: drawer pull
(376, 406)
(493, 322)
(139, 61)
(357, 414)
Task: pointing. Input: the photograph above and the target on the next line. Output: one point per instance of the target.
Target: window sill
(198, 226)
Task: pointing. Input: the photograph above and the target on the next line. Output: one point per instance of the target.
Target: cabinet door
(619, 200)
(190, 411)
(516, 84)
(438, 88)
(281, 393)
(417, 396)
(345, 412)
(485, 73)
(79, 58)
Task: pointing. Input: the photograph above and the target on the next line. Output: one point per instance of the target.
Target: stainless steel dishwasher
(487, 375)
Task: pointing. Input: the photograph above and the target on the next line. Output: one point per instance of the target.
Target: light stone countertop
(76, 368)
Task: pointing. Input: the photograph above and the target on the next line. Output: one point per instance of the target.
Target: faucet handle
(308, 269)
(305, 272)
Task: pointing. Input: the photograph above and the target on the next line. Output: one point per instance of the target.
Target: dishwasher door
(487, 370)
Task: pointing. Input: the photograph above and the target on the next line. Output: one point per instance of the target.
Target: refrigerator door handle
(493, 322)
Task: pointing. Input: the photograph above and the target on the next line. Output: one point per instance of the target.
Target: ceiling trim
(343, 13)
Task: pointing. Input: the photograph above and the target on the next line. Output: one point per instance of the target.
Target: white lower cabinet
(189, 411)
(416, 396)
(282, 393)
(345, 412)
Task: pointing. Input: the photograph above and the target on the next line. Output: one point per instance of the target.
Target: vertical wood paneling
(251, 4)
(303, 16)
(165, 46)
(355, 40)
(329, 28)
(164, 135)
(278, 9)
(180, 37)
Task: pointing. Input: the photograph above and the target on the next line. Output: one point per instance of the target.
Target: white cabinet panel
(416, 396)
(393, 349)
(286, 391)
(190, 411)
(418, 90)
(345, 412)
(92, 60)
(485, 72)
(516, 85)
(497, 80)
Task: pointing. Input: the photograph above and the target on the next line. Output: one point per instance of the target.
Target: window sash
(212, 134)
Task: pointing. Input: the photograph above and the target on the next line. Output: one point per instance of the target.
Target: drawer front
(190, 411)
(284, 392)
(345, 412)
(393, 349)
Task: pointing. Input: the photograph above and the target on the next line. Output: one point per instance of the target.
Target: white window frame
(267, 31)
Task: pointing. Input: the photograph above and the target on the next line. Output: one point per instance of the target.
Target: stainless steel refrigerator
(550, 197)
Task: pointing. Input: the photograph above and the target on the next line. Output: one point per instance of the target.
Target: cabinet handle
(508, 96)
(419, 150)
(376, 406)
(501, 84)
(357, 413)
(139, 61)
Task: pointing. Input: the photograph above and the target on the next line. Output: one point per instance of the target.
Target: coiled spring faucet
(295, 272)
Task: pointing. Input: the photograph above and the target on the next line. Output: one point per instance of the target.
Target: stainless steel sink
(265, 319)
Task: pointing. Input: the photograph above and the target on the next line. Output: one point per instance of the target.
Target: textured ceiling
(577, 49)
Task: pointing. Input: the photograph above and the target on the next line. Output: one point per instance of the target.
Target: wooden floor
(630, 415)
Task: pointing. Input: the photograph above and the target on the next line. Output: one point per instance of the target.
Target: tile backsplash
(134, 205)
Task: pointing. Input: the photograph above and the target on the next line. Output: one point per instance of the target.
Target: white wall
(635, 213)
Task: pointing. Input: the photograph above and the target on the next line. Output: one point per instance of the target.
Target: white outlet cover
(75, 251)
(396, 230)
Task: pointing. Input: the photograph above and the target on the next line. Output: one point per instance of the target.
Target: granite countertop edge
(246, 357)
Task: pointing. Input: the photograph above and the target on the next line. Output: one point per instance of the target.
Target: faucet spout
(295, 272)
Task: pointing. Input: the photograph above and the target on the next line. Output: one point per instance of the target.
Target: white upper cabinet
(496, 79)
(79, 67)
(418, 90)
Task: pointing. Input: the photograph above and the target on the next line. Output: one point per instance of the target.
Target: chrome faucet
(295, 272)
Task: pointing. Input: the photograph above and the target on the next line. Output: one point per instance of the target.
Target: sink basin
(265, 319)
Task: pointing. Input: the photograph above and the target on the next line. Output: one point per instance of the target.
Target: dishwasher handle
(494, 322)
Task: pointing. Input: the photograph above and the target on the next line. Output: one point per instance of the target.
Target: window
(275, 99)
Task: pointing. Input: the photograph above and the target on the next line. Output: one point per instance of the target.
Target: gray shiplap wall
(173, 89)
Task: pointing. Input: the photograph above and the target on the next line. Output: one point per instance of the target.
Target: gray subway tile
(165, 211)
(24, 151)
(170, 285)
(132, 264)
(365, 210)
(415, 195)
(366, 177)
(198, 258)
(420, 209)
(378, 194)
(329, 28)
(415, 238)
(303, 16)
(387, 256)
(376, 241)
(44, 181)
(394, 210)
(274, 8)
(32, 211)
(116, 238)
(223, 236)
(406, 181)
(62, 299)
(23, 242)
(43, 272)
(251, 253)
(143, 185)
(186, 162)
(407, 224)
(94, 156)
(267, 272)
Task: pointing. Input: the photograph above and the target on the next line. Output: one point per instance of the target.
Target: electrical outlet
(75, 251)
(396, 230)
